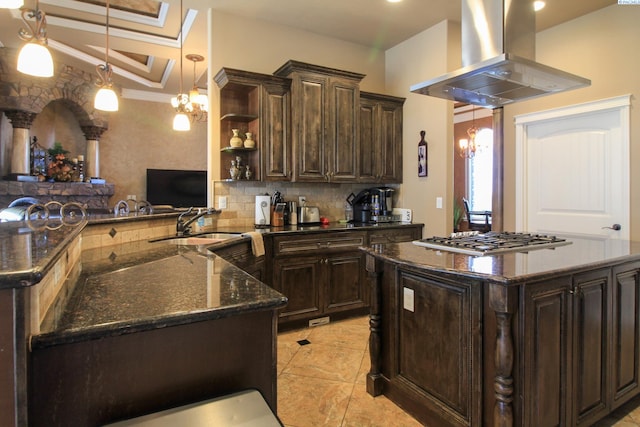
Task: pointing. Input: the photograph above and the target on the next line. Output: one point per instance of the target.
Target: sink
(198, 239)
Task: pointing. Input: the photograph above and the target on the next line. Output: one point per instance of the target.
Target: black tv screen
(178, 188)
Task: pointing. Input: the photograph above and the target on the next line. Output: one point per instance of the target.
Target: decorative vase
(249, 142)
(234, 171)
(235, 140)
(248, 172)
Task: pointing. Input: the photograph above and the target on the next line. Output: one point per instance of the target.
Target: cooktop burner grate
(492, 242)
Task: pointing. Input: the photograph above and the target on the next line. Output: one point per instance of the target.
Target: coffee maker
(374, 205)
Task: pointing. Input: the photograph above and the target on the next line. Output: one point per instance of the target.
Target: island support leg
(374, 377)
(503, 300)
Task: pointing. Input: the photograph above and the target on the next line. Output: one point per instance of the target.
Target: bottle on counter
(348, 211)
(293, 213)
(375, 205)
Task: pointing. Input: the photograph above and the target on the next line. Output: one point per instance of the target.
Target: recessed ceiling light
(394, 1)
(539, 4)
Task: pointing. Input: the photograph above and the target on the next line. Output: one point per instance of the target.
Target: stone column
(92, 161)
(21, 149)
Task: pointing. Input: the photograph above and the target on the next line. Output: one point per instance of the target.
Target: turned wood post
(374, 377)
(503, 300)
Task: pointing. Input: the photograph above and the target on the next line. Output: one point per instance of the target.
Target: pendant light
(198, 106)
(181, 121)
(106, 98)
(11, 4)
(467, 147)
(34, 58)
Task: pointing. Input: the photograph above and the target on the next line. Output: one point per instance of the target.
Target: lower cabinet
(323, 273)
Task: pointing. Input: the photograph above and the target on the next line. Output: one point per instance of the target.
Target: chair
(477, 220)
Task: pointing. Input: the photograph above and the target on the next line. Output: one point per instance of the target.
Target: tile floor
(323, 383)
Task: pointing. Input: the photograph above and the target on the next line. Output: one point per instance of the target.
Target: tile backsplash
(329, 198)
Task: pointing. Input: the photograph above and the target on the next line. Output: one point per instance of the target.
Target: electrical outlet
(302, 200)
(222, 202)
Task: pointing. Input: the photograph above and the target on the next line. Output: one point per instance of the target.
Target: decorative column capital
(20, 118)
(92, 132)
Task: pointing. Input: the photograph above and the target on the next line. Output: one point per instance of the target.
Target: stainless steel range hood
(498, 58)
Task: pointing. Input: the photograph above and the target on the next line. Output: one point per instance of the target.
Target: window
(480, 172)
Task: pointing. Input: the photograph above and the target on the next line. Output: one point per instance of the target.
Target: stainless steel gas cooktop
(491, 243)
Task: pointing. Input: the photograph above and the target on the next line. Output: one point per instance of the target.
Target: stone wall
(94, 196)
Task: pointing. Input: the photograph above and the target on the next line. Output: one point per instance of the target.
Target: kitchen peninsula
(545, 338)
(91, 336)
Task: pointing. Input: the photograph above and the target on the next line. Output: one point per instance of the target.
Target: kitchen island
(543, 338)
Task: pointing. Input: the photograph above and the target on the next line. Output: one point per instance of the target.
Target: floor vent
(304, 342)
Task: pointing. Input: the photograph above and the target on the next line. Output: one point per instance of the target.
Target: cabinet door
(276, 146)
(625, 357)
(310, 126)
(344, 288)
(342, 152)
(590, 343)
(369, 141)
(546, 352)
(298, 278)
(390, 152)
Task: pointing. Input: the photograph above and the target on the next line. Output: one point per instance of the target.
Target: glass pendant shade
(35, 59)
(11, 4)
(181, 122)
(106, 100)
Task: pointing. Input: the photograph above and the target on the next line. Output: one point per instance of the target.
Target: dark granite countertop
(144, 285)
(514, 267)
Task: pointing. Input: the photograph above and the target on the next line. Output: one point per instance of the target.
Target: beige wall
(603, 47)
(422, 57)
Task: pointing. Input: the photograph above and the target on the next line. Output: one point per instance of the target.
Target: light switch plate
(222, 202)
(407, 300)
(438, 202)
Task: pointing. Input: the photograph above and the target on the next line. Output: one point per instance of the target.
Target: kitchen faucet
(184, 227)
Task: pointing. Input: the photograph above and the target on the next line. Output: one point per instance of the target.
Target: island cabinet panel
(380, 138)
(591, 312)
(434, 366)
(625, 351)
(103, 380)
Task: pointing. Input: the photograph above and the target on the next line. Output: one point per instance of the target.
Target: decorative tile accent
(113, 232)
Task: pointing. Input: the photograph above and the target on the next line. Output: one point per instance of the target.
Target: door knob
(615, 227)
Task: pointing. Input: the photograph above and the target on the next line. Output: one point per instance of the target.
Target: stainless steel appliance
(498, 58)
(491, 243)
(385, 199)
(308, 215)
(374, 205)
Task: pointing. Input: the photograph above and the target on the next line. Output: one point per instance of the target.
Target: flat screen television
(178, 188)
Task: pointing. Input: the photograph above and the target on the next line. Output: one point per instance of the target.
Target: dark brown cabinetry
(323, 273)
(320, 273)
(256, 103)
(380, 138)
(556, 350)
(325, 105)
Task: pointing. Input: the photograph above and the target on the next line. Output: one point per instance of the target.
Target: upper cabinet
(310, 124)
(325, 104)
(257, 104)
(380, 138)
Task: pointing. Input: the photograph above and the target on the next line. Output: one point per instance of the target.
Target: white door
(572, 170)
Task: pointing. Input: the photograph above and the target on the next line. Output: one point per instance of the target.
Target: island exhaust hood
(498, 58)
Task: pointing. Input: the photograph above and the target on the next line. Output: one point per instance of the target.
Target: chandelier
(467, 147)
(106, 99)
(34, 57)
(198, 105)
(181, 120)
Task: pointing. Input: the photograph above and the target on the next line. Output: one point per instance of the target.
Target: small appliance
(263, 210)
(308, 215)
(374, 205)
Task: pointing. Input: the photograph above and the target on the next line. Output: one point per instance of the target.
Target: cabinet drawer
(394, 235)
(312, 243)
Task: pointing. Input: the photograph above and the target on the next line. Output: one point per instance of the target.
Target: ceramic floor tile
(310, 402)
(327, 362)
(341, 334)
(365, 410)
(365, 366)
(286, 351)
